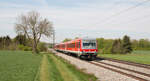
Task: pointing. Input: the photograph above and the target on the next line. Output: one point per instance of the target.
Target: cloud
(83, 18)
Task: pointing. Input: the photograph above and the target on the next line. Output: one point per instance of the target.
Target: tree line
(5, 42)
(122, 46)
(142, 44)
(20, 42)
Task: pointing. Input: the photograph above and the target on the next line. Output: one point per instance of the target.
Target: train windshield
(89, 44)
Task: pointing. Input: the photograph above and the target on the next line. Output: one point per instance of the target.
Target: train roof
(76, 40)
(80, 39)
(88, 38)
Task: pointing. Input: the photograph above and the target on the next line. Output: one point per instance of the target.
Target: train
(85, 48)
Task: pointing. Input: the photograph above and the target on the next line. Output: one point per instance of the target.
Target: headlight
(83, 52)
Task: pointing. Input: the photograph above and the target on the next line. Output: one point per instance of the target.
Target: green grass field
(25, 66)
(136, 56)
(18, 66)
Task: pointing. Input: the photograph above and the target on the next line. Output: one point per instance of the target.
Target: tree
(66, 39)
(34, 27)
(7, 40)
(117, 46)
(104, 45)
(1, 42)
(135, 44)
(21, 39)
(127, 47)
(76, 38)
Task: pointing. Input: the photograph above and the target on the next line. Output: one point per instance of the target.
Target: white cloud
(87, 19)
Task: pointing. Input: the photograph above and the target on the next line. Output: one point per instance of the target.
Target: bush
(42, 46)
(20, 47)
(24, 48)
(12, 47)
(104, 45)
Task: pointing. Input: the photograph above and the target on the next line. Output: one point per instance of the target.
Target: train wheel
(69, 54)
(93, 58)
(81, 57)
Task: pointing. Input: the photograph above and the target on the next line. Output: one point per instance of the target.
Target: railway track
(123, 73)
(140, 76)
(126, 62)
(145, 74)
(102, 64)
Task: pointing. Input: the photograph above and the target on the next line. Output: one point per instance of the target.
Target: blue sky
(81, 18)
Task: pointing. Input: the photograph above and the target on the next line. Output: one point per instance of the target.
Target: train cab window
(89, 44)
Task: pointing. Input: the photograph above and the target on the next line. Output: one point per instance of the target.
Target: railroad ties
(137, 71)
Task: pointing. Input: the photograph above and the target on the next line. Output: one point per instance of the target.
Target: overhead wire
(121, 12)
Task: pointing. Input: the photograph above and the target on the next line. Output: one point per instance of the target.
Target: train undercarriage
(84, 56)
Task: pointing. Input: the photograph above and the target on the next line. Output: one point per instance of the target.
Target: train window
(69, 45)
(78, 44)
(72, 45)
(63, 46)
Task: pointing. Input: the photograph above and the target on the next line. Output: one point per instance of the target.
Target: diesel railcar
(82, 47)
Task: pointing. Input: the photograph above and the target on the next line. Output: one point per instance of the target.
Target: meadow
(18, 65)
(138, 56)
(25, 66)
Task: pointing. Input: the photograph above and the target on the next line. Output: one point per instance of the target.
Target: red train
(82, 47)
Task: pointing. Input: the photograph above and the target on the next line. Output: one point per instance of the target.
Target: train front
(89, 48)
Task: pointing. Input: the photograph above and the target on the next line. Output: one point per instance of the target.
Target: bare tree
(34, 27)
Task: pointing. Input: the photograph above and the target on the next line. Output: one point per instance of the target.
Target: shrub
(20, 47)
(12, 47)
(42, 46)
(24, 48)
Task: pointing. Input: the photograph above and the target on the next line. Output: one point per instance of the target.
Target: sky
(82, 18)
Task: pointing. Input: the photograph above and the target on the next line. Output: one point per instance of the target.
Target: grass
(25, 66)
(70, 72)
(18, 66)
(141, 52)
(44, 70)
(48, 70)
(54, 68)
(136, 56)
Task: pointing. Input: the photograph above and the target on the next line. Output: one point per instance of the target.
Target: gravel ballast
(101, 73)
